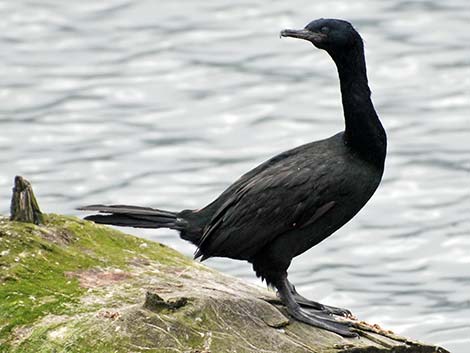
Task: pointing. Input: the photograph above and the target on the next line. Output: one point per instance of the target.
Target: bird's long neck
(363, 132)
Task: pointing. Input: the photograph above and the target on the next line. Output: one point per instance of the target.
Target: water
(166, 103)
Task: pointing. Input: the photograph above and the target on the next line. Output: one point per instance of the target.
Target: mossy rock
(73, 286)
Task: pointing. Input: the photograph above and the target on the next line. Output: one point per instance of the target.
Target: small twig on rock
(24, 206)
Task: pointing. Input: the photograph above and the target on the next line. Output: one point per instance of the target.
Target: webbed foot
(307, 303)
(319, 315)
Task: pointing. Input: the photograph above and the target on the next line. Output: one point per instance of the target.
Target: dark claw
(338, 311)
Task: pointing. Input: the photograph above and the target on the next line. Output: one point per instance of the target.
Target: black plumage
(294, 200)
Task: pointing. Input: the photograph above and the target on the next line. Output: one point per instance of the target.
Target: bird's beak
(313, 37)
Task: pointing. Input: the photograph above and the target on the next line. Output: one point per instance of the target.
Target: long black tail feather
(134, 216)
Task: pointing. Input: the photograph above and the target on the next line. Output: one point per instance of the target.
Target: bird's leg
(302, 301)
(314, 319)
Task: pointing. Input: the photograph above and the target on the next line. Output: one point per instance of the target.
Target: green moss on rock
(40, 266)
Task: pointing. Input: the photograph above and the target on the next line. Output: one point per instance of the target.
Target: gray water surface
(164, 104)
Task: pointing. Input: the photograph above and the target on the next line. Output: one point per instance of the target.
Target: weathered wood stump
(24, 206)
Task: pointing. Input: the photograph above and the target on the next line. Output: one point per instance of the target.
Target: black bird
(294, 200)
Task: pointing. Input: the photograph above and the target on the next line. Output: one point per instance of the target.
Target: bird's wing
(278, 199)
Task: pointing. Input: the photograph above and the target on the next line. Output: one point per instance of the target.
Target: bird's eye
(324, 29)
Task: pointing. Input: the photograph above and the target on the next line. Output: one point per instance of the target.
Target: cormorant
(294, 200)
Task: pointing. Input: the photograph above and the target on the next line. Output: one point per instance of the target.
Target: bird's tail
(186, 221)
(134, 216)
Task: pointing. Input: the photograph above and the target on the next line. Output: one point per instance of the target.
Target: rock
(81, 287)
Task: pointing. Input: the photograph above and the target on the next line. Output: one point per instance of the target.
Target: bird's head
(331, 35)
